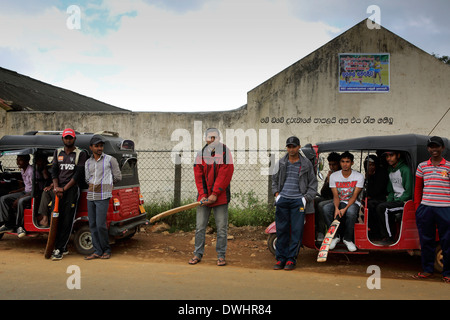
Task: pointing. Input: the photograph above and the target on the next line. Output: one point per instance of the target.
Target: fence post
(177, 186)
(269, 182)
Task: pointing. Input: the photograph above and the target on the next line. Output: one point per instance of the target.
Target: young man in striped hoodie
(432, 202)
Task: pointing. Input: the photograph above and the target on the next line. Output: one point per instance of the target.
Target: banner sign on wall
(364, 72)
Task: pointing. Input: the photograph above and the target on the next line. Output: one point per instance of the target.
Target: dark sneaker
(21, 232)
(289, 266)
(57, 255)
(5, 228)
(279, 265)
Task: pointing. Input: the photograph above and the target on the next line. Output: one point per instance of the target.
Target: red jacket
(213, 170)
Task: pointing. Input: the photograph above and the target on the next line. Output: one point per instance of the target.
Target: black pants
(67, 210)
(386, 217)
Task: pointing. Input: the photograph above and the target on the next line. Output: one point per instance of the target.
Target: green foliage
(250, 211)
(246, 210)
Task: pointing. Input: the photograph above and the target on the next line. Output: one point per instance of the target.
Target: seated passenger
(375, 190)
(400, 189)
(326, 195)
(44, 184)
(346, 185)
(15, 200)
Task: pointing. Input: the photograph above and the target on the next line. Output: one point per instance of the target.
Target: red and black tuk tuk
(126, 211)
(413, 149)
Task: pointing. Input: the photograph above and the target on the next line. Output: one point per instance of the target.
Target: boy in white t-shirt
(346, 185)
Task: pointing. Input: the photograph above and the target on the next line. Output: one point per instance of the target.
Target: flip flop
(221, 262)
(92, 256)
(105, 256)
(446, 279)
(195, 260)
(420, 276)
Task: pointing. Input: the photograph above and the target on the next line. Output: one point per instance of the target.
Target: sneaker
(289, 266)
(320, 236)
(334, 242)
(350, 245)
(5, 228)
(57, 255)
(21, 232)
(279, 265)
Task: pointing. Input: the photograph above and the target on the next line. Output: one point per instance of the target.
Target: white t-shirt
(346, 186)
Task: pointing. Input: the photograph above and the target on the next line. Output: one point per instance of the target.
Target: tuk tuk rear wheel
(83, 240)
(272, 243)
(439, 260)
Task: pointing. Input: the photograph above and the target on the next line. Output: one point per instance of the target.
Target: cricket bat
(325, 247)
(53, 229)
(175, 210)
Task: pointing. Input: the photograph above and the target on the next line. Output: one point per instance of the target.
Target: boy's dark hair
(348, 155)
(334, 156)
(25, 157)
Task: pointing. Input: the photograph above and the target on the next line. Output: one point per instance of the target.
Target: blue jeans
(347, 226)
(221, 218)
(97, 211)
(289, 222)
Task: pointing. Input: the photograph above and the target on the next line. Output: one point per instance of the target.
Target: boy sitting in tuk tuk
(15, 200)
(346, 185)
(400, 189)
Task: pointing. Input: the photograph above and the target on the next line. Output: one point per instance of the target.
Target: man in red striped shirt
(432, 202)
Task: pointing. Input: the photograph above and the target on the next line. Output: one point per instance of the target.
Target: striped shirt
(436, 183)
(291, 188)
(100, 175)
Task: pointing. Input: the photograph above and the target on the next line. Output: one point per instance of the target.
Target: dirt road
(154, 266)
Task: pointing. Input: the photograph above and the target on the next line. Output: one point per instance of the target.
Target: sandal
(221, 262)
(105, 256)
(195, 260)
(446, 279)
(420, 276)
(92, 256)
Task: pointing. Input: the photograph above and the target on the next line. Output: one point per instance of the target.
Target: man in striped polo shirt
(432, 202)
(294, 185)
(102, 171)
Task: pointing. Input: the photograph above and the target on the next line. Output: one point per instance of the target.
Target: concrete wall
(306, 91)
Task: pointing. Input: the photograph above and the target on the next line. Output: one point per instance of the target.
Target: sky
(190, 55)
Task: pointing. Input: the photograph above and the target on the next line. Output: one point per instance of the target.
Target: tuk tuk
(413, 149)
(126, 211)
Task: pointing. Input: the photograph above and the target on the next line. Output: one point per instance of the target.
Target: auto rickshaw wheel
(83, 240)
(272, 243)
(439, 259)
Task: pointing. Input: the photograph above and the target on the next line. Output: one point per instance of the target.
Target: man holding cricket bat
(346, 185)
(67, 172)
(213, 170)
(294, 185)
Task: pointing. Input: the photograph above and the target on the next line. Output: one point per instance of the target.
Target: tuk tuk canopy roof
(414, 144)
(54, 141)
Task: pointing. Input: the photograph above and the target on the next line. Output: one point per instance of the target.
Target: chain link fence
(167, 176)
